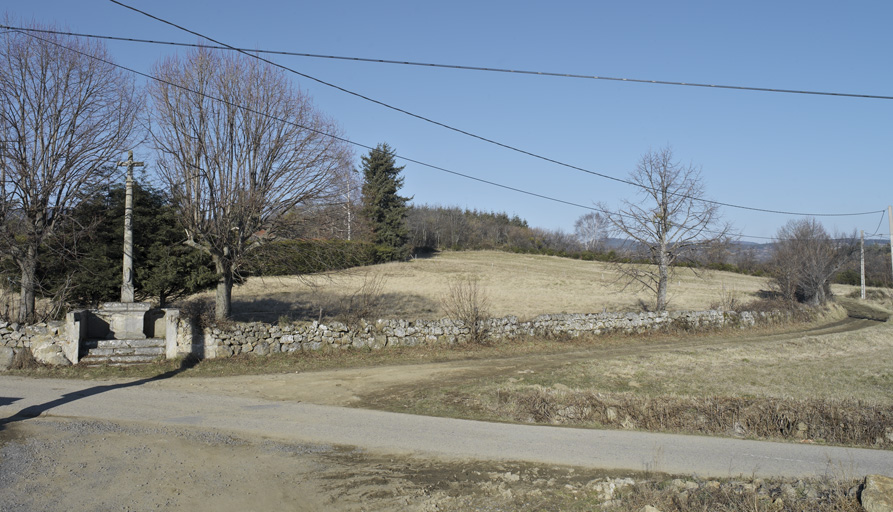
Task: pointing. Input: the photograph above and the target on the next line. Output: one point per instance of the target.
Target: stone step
(127, 360)
(126, 351)
(147, 342)
(123, 352)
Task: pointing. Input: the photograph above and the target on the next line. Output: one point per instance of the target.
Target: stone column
(127, 285)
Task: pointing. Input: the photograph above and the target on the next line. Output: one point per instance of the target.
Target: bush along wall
(293, 257)
(262, 339)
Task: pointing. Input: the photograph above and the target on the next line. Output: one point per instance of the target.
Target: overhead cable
(326, 134)
(474, 68)
(473, 135)
(357, 144)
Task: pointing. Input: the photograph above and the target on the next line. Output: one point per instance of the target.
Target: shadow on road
(36, 410)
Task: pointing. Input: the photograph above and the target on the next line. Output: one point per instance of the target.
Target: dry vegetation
(833, 388)
(521, 285)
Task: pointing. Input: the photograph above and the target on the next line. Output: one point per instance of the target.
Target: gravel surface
(58, 464)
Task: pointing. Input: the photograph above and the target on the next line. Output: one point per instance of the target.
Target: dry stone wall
(263, 339)
(45, 340)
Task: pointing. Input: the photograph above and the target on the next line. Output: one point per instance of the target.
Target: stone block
(50, 354)
(877, 496)
(148, 351)
(36, 329)
(126, 319)
(7, 356)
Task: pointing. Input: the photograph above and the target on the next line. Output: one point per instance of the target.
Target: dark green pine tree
(165, 269)
(383, 208)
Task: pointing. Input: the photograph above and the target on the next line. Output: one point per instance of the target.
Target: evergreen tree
(383, 208)
(165, 268)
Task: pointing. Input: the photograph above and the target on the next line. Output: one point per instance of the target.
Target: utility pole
(349, 205)
(862, 260)
(890, 218)
(127, 285)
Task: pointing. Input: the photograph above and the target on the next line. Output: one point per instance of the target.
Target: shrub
(295, 257)
(364, 302)
(467, 302)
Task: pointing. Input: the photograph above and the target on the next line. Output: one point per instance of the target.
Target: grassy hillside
(517, 284)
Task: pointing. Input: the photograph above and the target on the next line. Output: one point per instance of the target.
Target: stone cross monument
(126, 318)
(127, 286)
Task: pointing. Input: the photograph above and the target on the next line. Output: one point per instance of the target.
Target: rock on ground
(878, 494)
(7, 356)
(49, 353)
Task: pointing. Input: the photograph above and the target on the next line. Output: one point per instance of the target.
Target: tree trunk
(663, 269)
(820, 297)
(28, 265)
(223, 301)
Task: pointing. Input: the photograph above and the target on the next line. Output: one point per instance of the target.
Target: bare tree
(65, 112)
(591, 230)
(670, 222)
(467, 302)
(329, 217)
(805, 258)
(239, 147)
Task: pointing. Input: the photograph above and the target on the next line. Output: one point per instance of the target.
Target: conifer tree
(383, 208)
(165, 268)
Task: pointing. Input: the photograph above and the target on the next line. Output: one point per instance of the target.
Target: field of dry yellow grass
(516, 284)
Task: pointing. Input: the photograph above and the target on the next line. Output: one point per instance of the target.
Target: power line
(473, 135)
(325, 134)
(224, 46)
(364, 146)
(336, 137)
(881, 221)
(474, 68)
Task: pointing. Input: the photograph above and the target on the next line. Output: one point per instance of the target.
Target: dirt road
(384, 432)
(255, 443)
(362, 386)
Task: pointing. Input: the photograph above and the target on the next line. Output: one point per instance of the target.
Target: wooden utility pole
(127, 286)
(890, 219)
(862, 260)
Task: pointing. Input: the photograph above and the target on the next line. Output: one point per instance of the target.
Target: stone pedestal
(126, 319)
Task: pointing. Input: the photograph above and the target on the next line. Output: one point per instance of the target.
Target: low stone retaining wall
(262, 339)
(45, 340)
(14, 335)
(50, 341)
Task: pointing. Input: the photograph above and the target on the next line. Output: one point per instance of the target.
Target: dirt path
(60, 464)
(261, 443)
(365, 387)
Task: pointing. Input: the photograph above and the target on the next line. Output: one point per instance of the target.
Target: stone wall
(45, 340)
(15, 335)
(263, 339)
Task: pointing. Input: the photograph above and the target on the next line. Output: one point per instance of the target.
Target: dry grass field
(516, 284)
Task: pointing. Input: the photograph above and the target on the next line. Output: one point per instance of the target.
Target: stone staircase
(122, 352)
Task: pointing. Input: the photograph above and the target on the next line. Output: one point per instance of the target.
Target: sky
(785, 152)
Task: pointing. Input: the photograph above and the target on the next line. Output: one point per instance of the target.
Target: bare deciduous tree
(591, 230)
(65, 113)
(670, 222)
(240, 147)
(805, 258)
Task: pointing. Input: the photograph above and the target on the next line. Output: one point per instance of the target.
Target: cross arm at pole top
(129, 163)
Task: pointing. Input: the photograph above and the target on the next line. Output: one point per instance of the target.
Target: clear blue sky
(766, 150)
